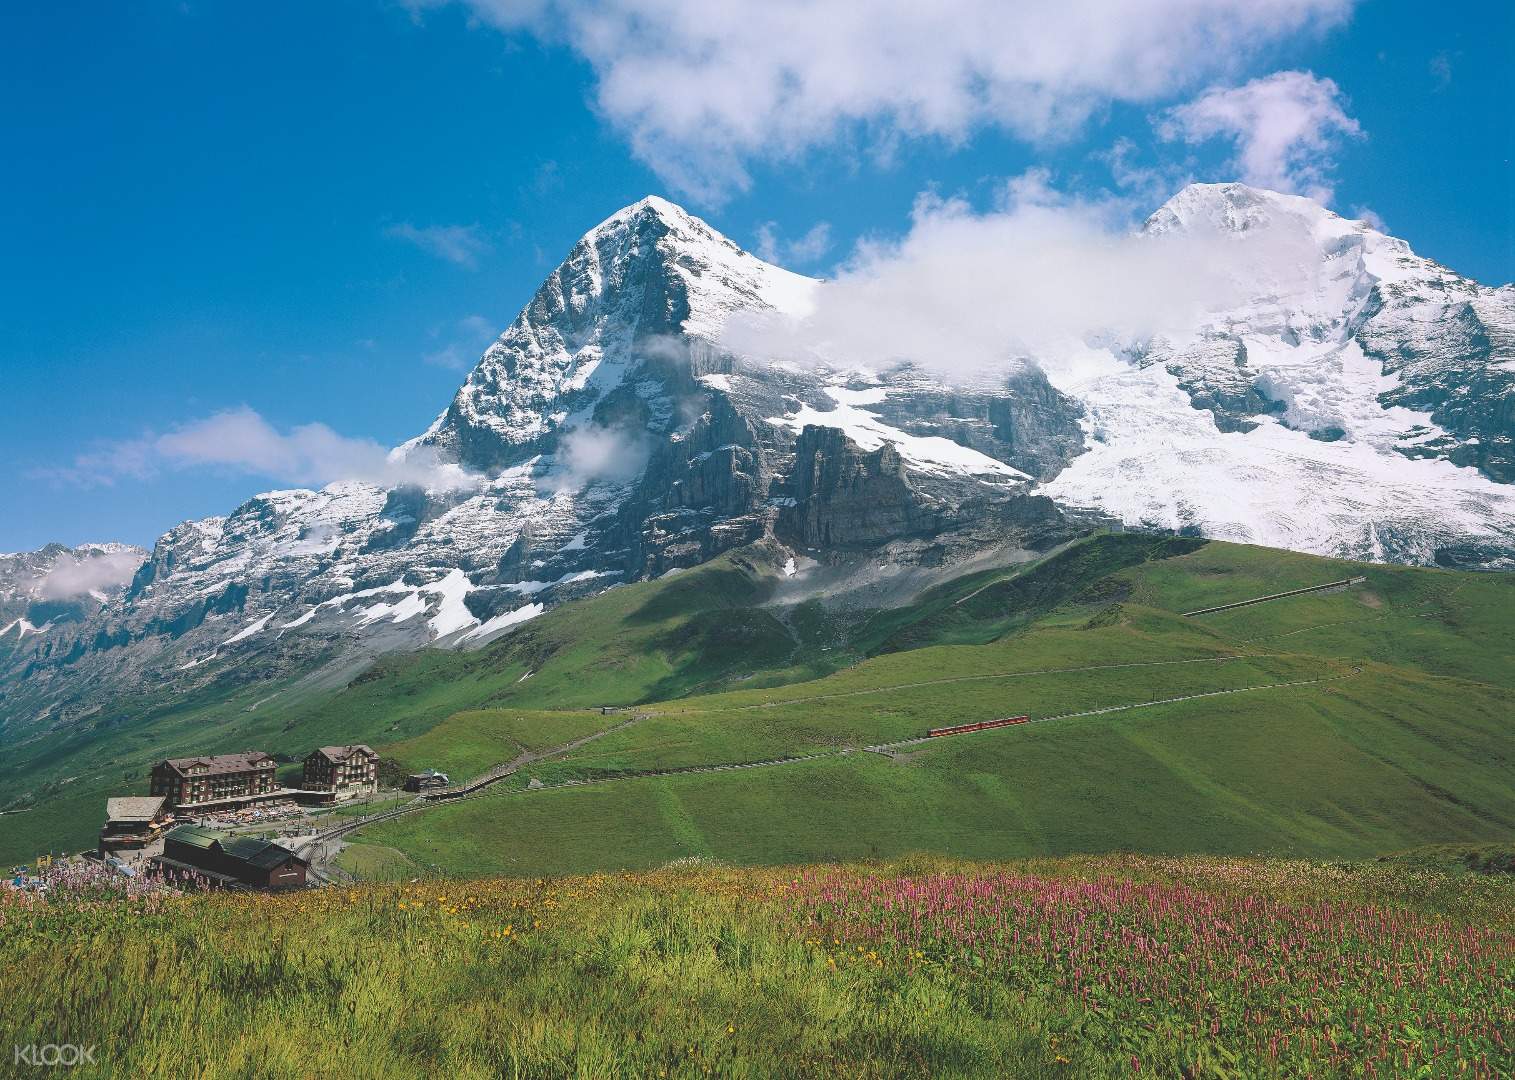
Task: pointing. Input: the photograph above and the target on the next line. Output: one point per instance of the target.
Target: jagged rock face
(1451, 345)
(56, 585)
(609, 436)
(1023, 421)
(845, 497)
(1215, 375)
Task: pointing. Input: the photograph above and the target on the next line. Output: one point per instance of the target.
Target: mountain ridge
(608, 436)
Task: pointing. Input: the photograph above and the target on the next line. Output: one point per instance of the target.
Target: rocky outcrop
(841, 497)
(1022, 419)
(1215, 375)
(55, 586)
(1451, 346)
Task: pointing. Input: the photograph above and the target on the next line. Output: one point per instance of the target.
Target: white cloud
(596, 454)
(73, 576)
(804, 250)
(966, 293)
(243, 441)
(458, 244)
(703, 88)
(469, 338)
(1148, 184)
(1285, 126)
(1370, 217)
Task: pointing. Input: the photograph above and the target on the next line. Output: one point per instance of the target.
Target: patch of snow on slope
(23, 627)
(249, 630)
(928, 453)
(452, 614)
(503, 622)
(302, 620)
(531, 588)
(407, 607)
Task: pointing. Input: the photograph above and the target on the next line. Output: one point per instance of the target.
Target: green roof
(193, 836)
(263, 854)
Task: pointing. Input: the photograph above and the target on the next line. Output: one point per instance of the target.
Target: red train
(962, 729)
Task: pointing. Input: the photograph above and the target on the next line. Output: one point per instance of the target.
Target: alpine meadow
(1006, 570)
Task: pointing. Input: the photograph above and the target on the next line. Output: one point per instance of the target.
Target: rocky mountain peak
(649, 275)
(1356, 400)
(57, 584)
(1237, 208)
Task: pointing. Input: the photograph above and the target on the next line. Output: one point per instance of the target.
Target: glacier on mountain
(1349, 399)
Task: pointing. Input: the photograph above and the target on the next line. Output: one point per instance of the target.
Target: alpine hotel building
(197, 781)
(344, 771)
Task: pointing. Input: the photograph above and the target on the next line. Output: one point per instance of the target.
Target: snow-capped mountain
(1356, 401)
(55, 585)
(1359, 403)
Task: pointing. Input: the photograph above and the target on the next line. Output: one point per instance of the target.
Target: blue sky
(321, 213)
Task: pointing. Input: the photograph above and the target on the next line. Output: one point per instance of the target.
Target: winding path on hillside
(322, 847)
(1229, 658)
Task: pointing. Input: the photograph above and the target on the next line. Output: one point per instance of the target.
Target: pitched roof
(218, 764)
(264, 854)
(342, 753)
(194, 836)
(134, 807)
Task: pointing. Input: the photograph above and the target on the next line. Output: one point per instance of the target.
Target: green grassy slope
(1096, 625)
(639, 642)
(1414, 747)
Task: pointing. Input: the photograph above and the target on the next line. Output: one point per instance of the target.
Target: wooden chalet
(428, 780)
(133, 822)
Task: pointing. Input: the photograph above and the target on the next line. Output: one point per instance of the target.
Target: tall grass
(700, 970)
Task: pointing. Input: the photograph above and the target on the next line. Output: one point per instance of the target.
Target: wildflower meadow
(1193, 979)
(1072, 967)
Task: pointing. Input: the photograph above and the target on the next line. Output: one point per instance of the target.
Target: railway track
(1330, 586)
(475, 789)
(322, 839)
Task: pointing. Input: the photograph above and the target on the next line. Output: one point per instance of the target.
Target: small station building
(231, 862)
(134, 822)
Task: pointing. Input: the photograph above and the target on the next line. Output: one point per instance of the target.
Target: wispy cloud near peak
(1285, 126)
(462, 245)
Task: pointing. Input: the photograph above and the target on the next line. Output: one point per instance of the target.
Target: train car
(982, 725)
